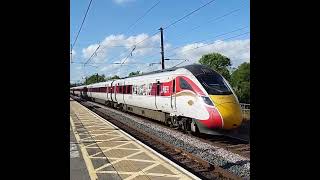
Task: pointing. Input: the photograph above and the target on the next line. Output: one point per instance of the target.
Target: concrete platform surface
(108, 153)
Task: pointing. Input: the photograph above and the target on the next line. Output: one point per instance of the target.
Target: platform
(109, 153)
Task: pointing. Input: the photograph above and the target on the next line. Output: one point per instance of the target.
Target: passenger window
(184, 84)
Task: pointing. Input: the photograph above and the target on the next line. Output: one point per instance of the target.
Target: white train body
(172, 93)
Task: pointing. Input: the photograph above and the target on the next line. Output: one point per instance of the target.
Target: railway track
(233, 144)
(194, 164)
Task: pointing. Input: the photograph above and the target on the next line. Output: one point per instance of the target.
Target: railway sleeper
(243, 149)
(192, 165)
(187, 161)
(202, 170)
(180, 158)
(174, 153)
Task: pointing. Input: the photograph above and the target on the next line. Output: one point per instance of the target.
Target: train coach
(193, 98)
(80, 91)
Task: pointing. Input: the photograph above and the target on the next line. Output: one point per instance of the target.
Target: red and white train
(193, 98)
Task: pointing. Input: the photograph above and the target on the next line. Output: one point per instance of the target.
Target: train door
(89, 91)
(173, 94)
(106, 92)
(111, 91)
(115, 87)
(85, 91)
(124, 91)
(157, 92)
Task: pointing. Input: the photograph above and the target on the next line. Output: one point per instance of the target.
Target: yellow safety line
(85, 155)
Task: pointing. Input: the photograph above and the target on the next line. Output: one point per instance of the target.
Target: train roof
(195, 69)
(78, 87)
(97, 84)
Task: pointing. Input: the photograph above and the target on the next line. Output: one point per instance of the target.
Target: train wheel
(194, 128)
(174, 122)
(167, 121)
(186, 125)
(122, 108)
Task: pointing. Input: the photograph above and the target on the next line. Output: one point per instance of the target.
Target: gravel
(234, 163)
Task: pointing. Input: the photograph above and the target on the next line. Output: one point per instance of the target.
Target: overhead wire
(134, 47)
(187, 15)
(196, 27)
(84, 18)
(174, 22)
(129, 28)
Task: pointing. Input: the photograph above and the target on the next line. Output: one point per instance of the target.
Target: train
(193, 98)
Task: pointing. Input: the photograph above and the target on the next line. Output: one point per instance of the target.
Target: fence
(245, 108)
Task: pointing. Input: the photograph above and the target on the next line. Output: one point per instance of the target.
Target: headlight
(207, 100)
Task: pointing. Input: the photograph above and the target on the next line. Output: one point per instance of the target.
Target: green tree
(113, 77)
(134, 73)
(240, 81)
(95, 78)
(217, 62)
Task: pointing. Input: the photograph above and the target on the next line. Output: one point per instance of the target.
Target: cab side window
(184, 84)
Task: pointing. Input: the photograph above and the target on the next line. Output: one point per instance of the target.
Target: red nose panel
(214, 120)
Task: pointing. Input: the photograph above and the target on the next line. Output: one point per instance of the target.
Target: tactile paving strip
(112, 154)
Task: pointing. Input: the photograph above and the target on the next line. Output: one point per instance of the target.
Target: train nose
(229, 109)
(231, 115)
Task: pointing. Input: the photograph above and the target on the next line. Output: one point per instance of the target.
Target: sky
(129, 37)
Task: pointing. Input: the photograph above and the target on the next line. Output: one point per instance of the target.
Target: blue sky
(107, 23)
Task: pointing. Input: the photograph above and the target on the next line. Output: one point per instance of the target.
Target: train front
(221, 104)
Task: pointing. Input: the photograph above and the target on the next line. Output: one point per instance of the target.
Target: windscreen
(214, 84)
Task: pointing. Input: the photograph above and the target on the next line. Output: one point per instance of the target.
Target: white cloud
(119, 46)
(87, 52)
(113, 40)
(121, 70)
(115, 69)
(237, 50)
(122, 1)
(110, 67)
